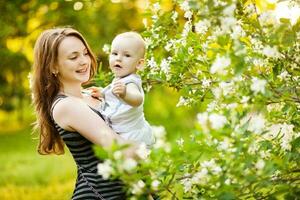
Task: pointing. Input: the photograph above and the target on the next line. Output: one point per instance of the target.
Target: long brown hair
(46, 85)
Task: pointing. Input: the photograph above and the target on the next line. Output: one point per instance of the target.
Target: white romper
(126, 120)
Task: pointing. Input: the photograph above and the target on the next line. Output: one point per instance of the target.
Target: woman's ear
(140, 64)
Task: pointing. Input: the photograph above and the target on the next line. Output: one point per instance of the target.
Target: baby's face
(125, 56)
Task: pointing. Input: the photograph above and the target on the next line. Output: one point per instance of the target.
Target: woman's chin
(83, 79)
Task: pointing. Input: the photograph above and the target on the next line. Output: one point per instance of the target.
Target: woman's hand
(95, 92)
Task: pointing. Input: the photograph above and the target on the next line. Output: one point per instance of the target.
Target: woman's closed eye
(73, 57)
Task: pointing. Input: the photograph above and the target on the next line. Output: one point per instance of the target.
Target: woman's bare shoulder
(64, 110)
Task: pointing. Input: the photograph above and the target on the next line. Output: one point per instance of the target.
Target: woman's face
(74, 62)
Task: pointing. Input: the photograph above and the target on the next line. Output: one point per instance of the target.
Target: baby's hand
(95, 92)
(119, 89)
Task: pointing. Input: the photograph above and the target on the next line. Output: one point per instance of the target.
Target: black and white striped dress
(89, 185)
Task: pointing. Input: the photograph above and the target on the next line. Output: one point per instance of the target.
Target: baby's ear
(140, 65)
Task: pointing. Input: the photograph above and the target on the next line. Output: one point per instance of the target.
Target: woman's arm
(75, 115)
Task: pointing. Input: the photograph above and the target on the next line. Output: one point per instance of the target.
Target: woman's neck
(72, 90)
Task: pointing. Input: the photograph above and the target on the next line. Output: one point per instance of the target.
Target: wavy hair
(46, 85)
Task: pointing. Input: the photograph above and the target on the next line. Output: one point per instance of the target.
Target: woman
(63, 62)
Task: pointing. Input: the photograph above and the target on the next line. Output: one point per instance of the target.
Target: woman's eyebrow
(77, 52)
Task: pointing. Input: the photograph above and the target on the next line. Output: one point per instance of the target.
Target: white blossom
(219, 3)
(273, 131)
(185, 5)
(224, 145)
(253, 148)
(227, 181)
(265, 154)
(202, 118)
(258, 62)
(78, 5)
(228, 23)
(148, 42)
(250, 8)
(174, 16)
(237, 31)
(231, 106)
(186, 29)
(105, 169)
(201, 27)
(271, 52)
(287, 132)
(156, 7)
(206, 82)
(256, 123)
(200, 177)
(154, 18)
(258, 85)
(187, 184)
(162, 144)
(182, 102)
(137, 188)
(211, 106)
(152, 63)
(129, 164)
(260, 164)
(188, 14)
(245, 99)
(106, 48)
(220, 64)
(180, 142)
(168, 46)
(217, 121)
(217, 92)
(229, 10)
(165, 66)
(268, 18)
(208, 164)
(216, 170)
(227, 87)
(158, 131)
(155, 184)
(118, 155)
(284, 75)
(142, 151)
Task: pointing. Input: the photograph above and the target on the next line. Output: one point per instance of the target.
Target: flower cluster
(238, 65)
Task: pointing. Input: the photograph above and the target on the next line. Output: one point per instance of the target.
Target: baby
(124, 97)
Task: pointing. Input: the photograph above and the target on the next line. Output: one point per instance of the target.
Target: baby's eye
(114, 53)
(127, 55)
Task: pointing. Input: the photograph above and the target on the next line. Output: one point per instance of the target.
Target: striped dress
(89, 185)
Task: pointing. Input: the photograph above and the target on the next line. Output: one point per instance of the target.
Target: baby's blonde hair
(138, 37)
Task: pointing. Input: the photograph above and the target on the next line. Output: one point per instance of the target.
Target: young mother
(63, 62)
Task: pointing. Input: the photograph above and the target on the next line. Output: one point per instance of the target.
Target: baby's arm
(129, 93)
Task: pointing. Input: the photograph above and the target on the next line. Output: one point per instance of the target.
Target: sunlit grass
(52, 191)
(27, 175)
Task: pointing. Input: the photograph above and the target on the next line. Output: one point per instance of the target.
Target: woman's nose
(84, 60)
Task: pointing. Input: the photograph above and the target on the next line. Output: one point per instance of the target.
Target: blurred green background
(23, 173)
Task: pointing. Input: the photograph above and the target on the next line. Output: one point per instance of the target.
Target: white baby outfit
(126, 120)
